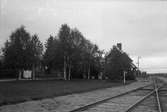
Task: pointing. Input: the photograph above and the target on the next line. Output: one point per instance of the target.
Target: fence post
(124, 73)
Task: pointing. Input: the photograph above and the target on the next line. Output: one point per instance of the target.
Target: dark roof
(125, 56)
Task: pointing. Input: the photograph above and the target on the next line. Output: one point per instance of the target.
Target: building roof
(126, 57)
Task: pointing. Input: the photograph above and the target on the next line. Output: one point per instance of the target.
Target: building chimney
(119, 45)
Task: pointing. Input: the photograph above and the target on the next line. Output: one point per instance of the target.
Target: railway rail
(147, 98)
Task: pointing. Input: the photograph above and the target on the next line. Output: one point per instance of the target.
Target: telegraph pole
(138, 62)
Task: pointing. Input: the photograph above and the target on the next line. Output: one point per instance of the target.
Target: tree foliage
(72, 53)
(21, 51)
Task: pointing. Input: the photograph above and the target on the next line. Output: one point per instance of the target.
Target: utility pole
(138, 63)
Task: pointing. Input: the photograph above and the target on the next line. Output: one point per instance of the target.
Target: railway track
(150, 98)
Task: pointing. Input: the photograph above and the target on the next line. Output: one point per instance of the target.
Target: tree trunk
(20, 73)
(84, 72)
(65, 66)
(69, 72)
(33, 72)
(89, 71)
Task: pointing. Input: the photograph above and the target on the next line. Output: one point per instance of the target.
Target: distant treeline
(68, 53)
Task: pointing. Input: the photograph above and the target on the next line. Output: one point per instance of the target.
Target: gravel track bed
(163, 94)
(119, 104)
(148, 105)
(163, 98)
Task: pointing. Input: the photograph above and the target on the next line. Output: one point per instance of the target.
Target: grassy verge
(19, 91)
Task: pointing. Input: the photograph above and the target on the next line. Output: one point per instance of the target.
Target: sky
(140, 25)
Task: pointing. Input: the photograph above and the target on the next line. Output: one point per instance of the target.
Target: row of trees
(72, 53)
(69, 53)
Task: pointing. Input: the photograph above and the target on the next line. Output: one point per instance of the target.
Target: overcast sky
(140, 26)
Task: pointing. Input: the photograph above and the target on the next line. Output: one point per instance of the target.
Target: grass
(19, 91)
